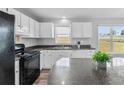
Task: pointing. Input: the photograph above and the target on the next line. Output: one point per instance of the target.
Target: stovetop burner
(20, 51)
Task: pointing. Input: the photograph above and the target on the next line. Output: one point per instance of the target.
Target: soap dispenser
(78, 44)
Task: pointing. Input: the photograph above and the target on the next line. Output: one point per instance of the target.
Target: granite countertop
(71, 71)
(59, 47)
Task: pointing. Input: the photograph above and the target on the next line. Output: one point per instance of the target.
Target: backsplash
(48, 41)
(27, 41)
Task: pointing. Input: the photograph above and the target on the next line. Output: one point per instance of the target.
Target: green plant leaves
(100, 57)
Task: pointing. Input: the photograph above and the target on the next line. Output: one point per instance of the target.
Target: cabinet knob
(7, 9)
(21, 26)
(18, 25)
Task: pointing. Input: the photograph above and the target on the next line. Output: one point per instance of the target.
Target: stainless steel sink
(62, 48)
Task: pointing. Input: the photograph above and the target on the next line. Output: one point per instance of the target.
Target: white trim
(111, 36)
(70, 35)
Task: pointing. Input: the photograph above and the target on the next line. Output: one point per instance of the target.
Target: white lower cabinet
(49, 57)
(0, 9)
(17, 72)
(41, 60)
(58, 54)
(65, 53)
(55, 56)
(46, 59)
(82, 53)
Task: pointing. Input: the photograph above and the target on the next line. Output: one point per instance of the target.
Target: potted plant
(101, 58)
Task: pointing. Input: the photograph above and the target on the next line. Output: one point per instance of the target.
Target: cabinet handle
(18, 25)
(7, 9)
(21, 26)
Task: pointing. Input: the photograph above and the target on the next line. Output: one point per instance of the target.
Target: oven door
(29, 69)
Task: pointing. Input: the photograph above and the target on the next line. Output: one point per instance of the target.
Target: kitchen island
(49, 54)
(82, 71)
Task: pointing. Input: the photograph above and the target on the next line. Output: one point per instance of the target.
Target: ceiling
(76, 12)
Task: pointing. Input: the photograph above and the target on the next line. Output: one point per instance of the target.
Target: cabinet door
(5, 10)
(17, 17)
(17, 72)
(25, 24)
(17, 21)
(82, 53)
(55, 56)
(0, 9)
(41, 60)
(77, 30)
(10, 10)
(36, 29)
(66, 53)
(14, 12)
(87, 30)
(32, 27)
(58, 54)
(47, 60)
(46, 30)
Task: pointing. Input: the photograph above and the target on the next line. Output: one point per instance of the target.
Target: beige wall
(27, 41)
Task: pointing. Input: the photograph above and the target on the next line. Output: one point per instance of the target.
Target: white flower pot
(101, 65)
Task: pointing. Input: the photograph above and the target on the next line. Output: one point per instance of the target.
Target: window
(63, 35)
(111, 38)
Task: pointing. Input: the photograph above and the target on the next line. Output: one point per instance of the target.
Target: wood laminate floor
(42, 79)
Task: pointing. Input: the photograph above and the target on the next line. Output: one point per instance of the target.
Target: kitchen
(44, 38)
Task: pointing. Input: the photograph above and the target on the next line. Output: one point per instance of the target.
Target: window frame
(69, 37)
(111, 37)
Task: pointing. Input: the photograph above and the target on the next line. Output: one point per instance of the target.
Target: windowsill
(115, 53)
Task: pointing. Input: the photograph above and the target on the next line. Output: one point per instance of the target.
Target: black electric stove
(29, 65)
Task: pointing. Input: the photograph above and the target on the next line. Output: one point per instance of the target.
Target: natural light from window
(63, 35)
(111, 38)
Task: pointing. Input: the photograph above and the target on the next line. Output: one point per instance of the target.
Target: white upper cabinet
(7, 10)
(37, 27)
(77, 30)
(87, 30)
(0, 9)
(17, 18)
(4, 9)
(32, 27)
(21, 22)
(25, 24)
(46, 30)
(81, 30)
(17, 21)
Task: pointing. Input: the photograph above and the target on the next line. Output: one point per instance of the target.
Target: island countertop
(82, 71)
